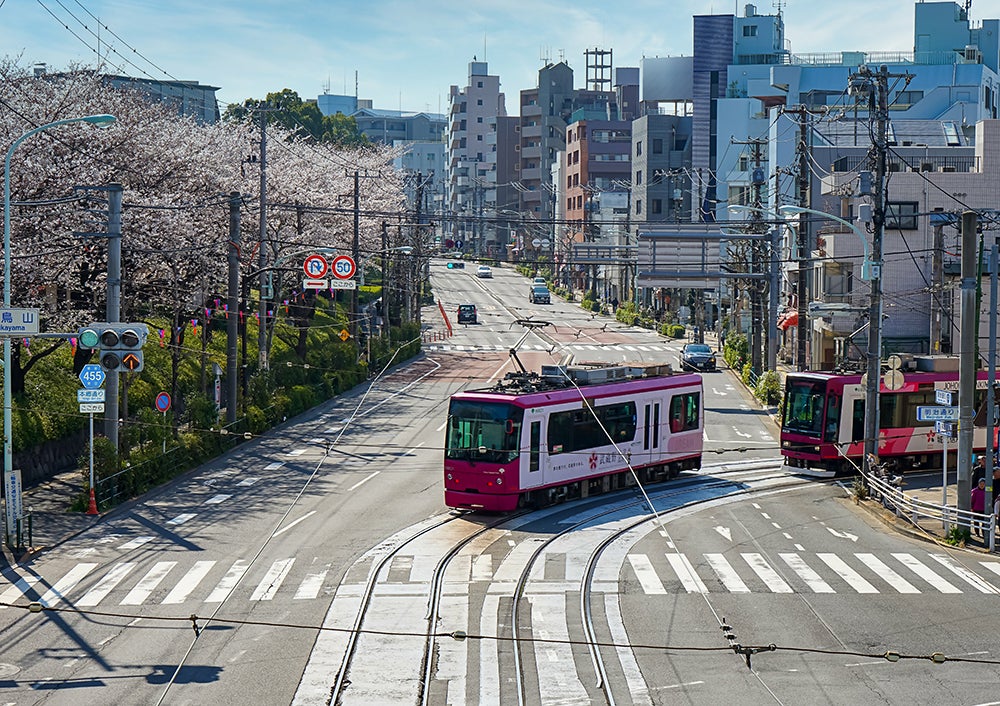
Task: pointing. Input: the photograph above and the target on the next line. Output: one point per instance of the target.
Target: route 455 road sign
(92, 376)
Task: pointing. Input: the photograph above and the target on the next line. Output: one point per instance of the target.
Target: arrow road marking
(725, 532)
(739, 433)
(843, 535)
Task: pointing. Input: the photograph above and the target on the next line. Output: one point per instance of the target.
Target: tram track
(442, 540)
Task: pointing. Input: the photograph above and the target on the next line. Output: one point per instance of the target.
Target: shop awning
(788, 319)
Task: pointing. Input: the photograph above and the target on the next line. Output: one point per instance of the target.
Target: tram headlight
(449, 477)
(499, 481)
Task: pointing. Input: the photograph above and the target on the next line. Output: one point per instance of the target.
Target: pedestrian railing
(914, 510)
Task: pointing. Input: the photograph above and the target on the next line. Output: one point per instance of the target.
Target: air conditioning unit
(973, 54)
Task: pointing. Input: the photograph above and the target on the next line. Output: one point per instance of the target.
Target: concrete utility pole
(355, 252)
(876, 85)
(991, 363)
(265, 294)
(804, 261)
(113, 308)
(937, 282)
(967, 359)
(233, 307)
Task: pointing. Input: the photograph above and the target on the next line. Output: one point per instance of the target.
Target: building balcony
(530, 111)
(531, 153)
(531, 174)
(532, 132)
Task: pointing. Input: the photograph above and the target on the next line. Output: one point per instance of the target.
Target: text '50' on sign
(344, 267)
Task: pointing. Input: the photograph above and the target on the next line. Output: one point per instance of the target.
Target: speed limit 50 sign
(344, 267)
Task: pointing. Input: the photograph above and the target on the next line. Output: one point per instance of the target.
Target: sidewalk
(52, 522)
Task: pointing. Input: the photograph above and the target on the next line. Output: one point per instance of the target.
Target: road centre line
(362, 481)
(294, 522)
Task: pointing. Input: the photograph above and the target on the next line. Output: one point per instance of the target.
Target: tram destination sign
(930, 413)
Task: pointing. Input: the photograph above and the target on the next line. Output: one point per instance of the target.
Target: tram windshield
(803, 410)
(483, 431)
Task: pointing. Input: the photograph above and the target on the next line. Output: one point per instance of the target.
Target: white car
(484, 271)
(539, 282)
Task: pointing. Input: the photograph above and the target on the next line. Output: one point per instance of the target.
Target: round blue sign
(162, 402)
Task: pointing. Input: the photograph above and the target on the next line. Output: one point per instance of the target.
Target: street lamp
(869, 270)
(8, 445)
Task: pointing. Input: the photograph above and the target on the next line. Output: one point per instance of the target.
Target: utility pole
(877, 87)
(262, 244)
(113, 308)
(233, 306)
(757, 180)
(967, 359)
(355, 252)
(937, 282)
(804, 261)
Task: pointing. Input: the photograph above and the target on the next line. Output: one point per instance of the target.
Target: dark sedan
(697, 356)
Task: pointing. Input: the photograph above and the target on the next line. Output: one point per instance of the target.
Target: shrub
(769, 388)
(672, 330)
(627, 313)
(736, 351)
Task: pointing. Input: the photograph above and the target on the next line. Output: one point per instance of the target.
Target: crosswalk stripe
(686, 573)
(64, 585)
(805, 572)
(228, 582)
(924, 572)
(272, 580)
(311, 585)
(148, 583)
(482, 567)
(726, 573)
(766, 574)
(107, 584)
(887, 574)
(20, 587)
(646, 574)
(852, 577)
(181, 519)
(191, 579)
(969, 577)
(991, 566)
(135, 543)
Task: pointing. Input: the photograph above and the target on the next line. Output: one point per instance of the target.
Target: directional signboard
(942, 397)
(92, 376)
(927, 413)
(83, 396)
(18, 322)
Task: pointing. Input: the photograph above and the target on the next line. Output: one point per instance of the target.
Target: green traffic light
(89, 338)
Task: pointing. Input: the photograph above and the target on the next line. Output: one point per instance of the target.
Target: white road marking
(973, 579)
(886, 574)
(685, 572)
(216, 499)
(181, 519)
(135, 543)
(482, 567)
(852, 577)
(148, 583)
(806, 573)
(843, 535)
(248, 482)
(443, 425)
(66, 584)
(297, 452)
(274, 466)
(766, 574)
(646, 574)
(20, 587)
(637, 686)
(363, 481)
(726, 573)
(925, 573)
(294, 522)
(311, 585)
(107, 584)
(228, 582)
(272, 580)
(189, 582)
(725, 532)
(739, 433)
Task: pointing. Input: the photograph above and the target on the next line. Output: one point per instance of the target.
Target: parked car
(484, 271)
(697, 356)
(539, 295)
(467, 314)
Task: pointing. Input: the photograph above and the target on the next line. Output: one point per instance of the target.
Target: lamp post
(8, 446)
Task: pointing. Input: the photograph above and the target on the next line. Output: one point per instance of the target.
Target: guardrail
(914, 510)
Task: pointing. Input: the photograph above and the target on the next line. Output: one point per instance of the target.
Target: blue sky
(406, 53)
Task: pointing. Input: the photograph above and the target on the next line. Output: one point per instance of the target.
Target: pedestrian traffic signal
(120, 344)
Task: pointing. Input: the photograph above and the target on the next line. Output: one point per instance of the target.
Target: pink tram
(533, 440)
(823, 422)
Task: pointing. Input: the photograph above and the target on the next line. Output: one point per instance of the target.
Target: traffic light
(119, 344)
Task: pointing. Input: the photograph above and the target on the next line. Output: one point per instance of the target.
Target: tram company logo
(593, 461)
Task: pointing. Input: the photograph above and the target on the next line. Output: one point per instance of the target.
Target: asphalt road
(258, 545)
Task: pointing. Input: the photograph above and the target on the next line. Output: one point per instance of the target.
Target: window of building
(638, 206)
(657, 145)
(479, 138)
(479, 84)
(749, 30)
(951, 133)
(901, 215)
(656, 206)
(638, 177)
(679, 144)
(479, 120)
(638, 149)
(479, 102)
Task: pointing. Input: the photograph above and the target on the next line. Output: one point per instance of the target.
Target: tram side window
(832, 418)
(578, 429)
(858, 421)
(684, 412)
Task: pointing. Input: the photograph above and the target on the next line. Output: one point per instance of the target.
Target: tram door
(651, 429)
(532, 460)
